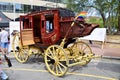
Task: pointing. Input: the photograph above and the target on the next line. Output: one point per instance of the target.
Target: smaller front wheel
(20, 52)
(56, 60)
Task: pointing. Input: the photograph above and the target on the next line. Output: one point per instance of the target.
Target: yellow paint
(94, 76)
(79, 74)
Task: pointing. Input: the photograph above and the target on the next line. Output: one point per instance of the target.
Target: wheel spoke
(60, 68)
(62, 65)
(52, 55)
(84, 48)
(49, 56)
(48, 60)
(53, 67)
(18, 54)
(81, 46)
(54, 52)
(77, 48)
(56, 67)
(23, 55)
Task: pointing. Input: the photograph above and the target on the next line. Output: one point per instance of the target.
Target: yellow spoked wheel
(56, 60)
(20, 52)
(82, 52)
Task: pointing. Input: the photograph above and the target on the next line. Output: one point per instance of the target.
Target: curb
(105, 57)
(112, 42)
(111, 57)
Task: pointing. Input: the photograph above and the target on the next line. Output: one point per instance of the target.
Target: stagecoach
(54, 34)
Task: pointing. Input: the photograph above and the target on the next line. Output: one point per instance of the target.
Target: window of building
(23, 8)
(6, 7)
(18, 8)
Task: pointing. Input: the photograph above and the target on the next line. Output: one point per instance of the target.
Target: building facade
(14, 8)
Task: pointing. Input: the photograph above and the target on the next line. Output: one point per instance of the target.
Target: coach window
(49, 23)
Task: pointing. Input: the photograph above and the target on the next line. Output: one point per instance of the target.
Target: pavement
(35, 69)
(110, 50)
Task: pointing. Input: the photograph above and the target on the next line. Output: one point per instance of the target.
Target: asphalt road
(35, 69)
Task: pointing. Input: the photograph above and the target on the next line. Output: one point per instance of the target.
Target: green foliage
(76, 5)
(96, 20)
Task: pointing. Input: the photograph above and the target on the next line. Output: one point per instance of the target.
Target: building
(4, 20)
(14, 8)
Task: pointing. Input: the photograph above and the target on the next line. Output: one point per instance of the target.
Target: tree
(76, 5)
(108, 9)
(80, 5)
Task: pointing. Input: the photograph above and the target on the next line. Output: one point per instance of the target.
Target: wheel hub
(17, 48)
(56, 60)
(52, 61)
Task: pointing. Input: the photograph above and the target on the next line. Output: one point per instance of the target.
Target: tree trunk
(103, 17)
(119, 17)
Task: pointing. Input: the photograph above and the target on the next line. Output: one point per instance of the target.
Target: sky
(93, 12)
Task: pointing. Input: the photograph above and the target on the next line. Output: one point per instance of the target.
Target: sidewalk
(110, 50)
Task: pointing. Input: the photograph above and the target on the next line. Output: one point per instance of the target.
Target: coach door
(26, 30)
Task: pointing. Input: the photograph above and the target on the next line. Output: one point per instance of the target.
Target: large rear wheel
(20, 52)
(81, 52)
(56, 60)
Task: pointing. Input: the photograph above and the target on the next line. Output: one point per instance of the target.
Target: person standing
(4, 41)
(4, 49)
(4, 45)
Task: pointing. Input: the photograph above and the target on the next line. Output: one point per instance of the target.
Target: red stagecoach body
(50, 26)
